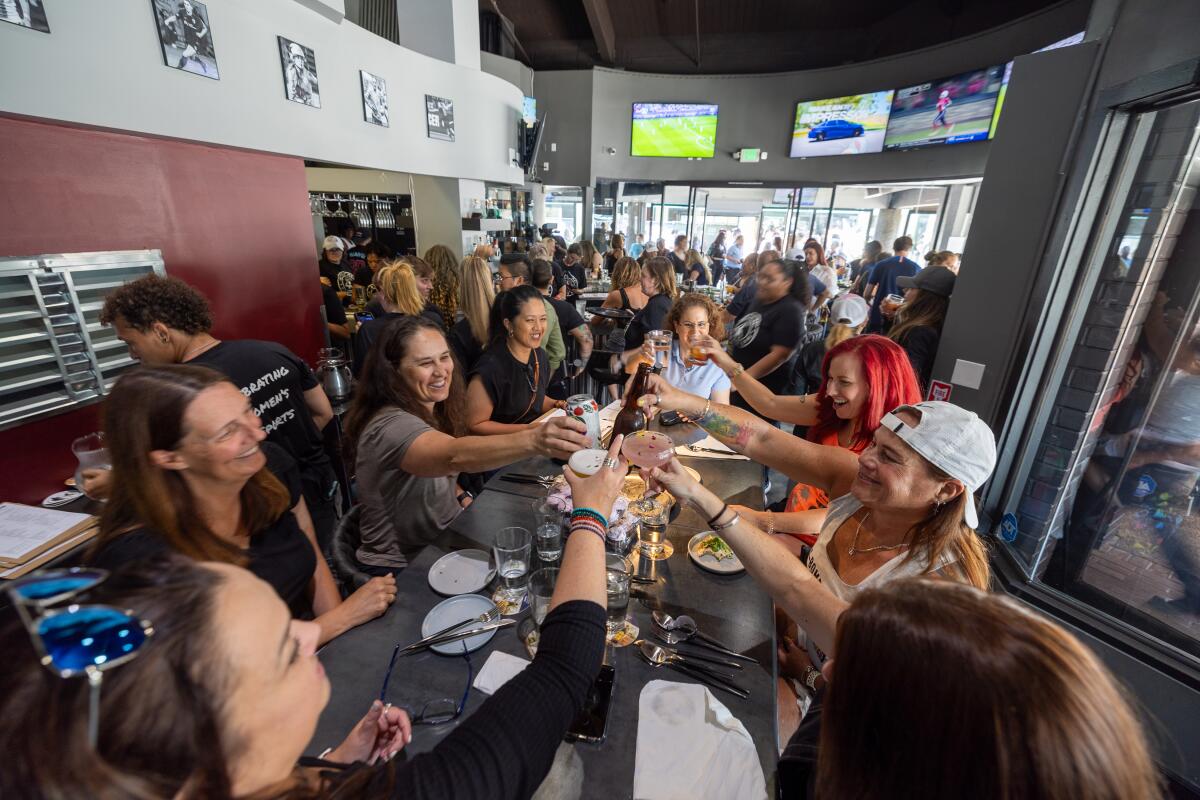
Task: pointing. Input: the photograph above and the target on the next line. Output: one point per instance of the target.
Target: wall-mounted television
(945, 111)
(841, 125)
(529, 111)
(1000, 99)
(674, 130)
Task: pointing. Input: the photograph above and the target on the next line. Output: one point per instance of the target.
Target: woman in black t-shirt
(658, 284)
(508, 385)
(398, 296)
(766, 336)
(190, 475)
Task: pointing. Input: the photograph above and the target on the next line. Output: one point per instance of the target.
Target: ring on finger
(609, 463)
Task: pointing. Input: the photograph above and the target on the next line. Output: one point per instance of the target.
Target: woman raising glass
(695, 321)
(658, 284)
(507, 390)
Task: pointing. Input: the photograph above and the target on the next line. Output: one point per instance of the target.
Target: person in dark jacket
(919, 321)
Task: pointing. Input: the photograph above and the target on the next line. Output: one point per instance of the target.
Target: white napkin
(498, 670)
(689, 747)
(710, 443)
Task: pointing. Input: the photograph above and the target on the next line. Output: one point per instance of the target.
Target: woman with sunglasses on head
(902, 508)
(223, 699)
(192, 474)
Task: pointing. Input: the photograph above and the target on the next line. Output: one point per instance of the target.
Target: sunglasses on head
(76, 639)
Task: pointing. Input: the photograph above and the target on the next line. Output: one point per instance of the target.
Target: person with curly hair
(165, 321)
(446, 280)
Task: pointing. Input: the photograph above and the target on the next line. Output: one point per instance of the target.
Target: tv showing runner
(946, 111)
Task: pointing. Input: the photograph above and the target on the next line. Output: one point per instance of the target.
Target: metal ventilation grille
(378, 16)
(54, 353)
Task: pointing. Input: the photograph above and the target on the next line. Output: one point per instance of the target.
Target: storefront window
(564, 207)
(849, 231)
(1108, 509)
(921, 227)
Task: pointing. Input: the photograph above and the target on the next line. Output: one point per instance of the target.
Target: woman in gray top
(407, 428)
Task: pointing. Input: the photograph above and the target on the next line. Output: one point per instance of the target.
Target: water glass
(616, 570)
(653, 531)
(661, 342)
(549, 534)
(541, 589)
(92, 454)
(512, 560)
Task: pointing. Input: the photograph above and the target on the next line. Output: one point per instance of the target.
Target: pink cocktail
(648, 449)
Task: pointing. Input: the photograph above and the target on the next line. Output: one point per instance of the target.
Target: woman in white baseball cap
(903, 508)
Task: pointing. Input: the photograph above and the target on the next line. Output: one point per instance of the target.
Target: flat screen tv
(841, 125)
(674, 130)
(529, 111)
(946, 111)
(1000, 99)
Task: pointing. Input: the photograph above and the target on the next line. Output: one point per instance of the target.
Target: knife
(454, 637)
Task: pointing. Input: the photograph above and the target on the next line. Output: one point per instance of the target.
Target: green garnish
(715, 546)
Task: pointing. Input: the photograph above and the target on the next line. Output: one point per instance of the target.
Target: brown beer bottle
(631, 418)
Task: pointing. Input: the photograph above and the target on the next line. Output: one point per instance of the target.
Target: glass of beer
(890, 305)
(586, 463)
(696, 352)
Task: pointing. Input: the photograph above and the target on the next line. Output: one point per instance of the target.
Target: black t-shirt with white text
(765, 326)
(275, 380)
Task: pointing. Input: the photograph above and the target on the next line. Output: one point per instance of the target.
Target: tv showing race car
(674, 130)
(946, 111)
(841, 125)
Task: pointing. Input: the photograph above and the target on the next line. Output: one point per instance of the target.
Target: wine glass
(649, 449)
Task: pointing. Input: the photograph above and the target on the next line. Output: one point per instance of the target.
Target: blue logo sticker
(1145, 487)
(1008, 527)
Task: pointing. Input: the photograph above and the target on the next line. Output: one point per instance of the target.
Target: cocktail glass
(646, 450)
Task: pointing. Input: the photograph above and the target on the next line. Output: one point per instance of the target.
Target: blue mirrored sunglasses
(78, 639)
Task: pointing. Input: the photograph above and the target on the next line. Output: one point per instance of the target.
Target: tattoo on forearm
(723, 427)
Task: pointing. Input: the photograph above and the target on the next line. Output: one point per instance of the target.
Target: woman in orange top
(862, 378)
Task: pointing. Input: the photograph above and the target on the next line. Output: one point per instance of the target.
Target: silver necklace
(854, 548)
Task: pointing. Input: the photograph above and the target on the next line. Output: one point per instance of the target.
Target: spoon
(659, 657)
(674, 637)
(687, 628)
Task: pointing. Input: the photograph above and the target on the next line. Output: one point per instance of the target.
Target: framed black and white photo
(439, 118)
(185, 36)
(26, 13)
(299, 73)
(375, 99)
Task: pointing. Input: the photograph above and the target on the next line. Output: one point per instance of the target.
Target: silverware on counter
(487, 617)
(657, 656)
(416, 647)
(662, 636)
(684, 628)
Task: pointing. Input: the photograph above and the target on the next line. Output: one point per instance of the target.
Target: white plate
(461, 572)
(708, 561)
(458, 609)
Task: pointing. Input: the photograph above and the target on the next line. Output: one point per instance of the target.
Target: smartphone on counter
(669, 418)
(592, 723)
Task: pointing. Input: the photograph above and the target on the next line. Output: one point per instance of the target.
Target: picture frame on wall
(26, 13)
(439, 118)
(299, 73)
(375, 99)
(185, 36)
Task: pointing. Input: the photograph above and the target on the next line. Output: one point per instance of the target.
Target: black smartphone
(670, 418)
(592, 722)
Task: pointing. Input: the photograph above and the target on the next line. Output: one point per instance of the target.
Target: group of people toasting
(918, 681)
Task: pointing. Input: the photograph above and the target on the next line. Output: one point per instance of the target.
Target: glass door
(699, 210)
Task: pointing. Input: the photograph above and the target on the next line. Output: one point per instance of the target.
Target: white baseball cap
(334, 243)
(849, 309)
(954, 440)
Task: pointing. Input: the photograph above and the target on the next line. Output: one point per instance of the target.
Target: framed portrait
(26, 13)
(439, 118)
(299, 73)
(185, 36)
(375, 99)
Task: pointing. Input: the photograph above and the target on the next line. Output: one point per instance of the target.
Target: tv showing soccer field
(841, 125)
(947, 111)
(674, 130)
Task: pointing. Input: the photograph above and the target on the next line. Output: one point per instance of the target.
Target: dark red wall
(235, 225)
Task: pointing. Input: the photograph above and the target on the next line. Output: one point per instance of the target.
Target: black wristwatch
(462, 494)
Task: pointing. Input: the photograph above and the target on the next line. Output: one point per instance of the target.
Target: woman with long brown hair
(408, 427)
(1017, 708)
(469, 335)
(446, 278)
(616, 251)
(658, 285)
(918, 325)
(192, 474)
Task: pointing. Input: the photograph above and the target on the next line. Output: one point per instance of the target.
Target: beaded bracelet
(592, 513)
(589, 525)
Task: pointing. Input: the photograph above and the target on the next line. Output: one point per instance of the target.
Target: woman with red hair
(862, 379)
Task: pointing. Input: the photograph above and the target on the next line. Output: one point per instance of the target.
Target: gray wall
(427, 26)
(566, 97)
(510, 70)
(758, 110)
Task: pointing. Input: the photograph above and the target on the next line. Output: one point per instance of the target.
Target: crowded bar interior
(574, 399)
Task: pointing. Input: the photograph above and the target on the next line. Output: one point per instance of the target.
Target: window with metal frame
(54, 353)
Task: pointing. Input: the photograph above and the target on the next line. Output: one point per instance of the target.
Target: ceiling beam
(602, 29)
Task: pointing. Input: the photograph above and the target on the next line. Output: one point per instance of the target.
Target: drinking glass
(512, 561)
(93, 458)
(549, 529)
(891, 304)
(648, 449)
(541, 589)
(696, 353)
(661, 342)
(616, 571)
(652, 531)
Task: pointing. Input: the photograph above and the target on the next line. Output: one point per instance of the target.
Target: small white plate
(458, 609)
(461, 572)
(708, 561)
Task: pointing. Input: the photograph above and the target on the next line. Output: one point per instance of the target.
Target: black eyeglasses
(78, 639)
(433, 712)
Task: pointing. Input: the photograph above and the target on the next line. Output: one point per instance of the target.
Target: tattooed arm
(797, 409)
(829, 468)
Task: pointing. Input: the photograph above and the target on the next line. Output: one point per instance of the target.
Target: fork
(487, 617)
(695, 448)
